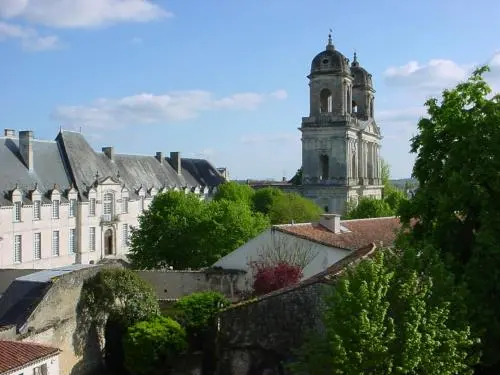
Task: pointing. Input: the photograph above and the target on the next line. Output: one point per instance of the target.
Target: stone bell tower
(340, 139)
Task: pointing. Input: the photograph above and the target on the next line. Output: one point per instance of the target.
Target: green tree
(297, 178)
(264, 199)
(235, 192)
(456, 205)
(368, 207)
(384, 318)
(293, 207)
(181, 231)
(152, 346)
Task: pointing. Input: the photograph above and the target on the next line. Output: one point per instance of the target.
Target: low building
(324, 243)
(63, 203)
(28, 358)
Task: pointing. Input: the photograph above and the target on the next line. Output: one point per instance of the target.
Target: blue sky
(226, 80)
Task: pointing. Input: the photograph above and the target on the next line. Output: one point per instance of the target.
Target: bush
(268, 278)
(197, 310)
(152, 344)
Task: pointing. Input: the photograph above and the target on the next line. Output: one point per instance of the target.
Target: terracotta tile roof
(17, 354)
(361, 232)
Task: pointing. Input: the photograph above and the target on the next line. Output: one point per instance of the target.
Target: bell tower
(340, 139)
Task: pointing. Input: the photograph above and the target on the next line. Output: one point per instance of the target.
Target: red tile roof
(361, 232)
(17, 354)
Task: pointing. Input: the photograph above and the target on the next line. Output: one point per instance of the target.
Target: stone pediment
(109, 181)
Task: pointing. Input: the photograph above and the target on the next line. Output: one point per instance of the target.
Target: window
(324, 166)
(37, 210)
(37, 246)
(55, 243)
(92, 207)
(141, 203)
(92, 238)
(72, 240)
(124, 205)
(40, 370)
(72, 207)
(55, 209)
(326, 101)
(125, 235)
(108, 204)
(17, 211)
(18, 248)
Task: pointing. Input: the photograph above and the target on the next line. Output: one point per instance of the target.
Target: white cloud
(81, 13)
(30, 38)
(280, 94)
(153, 109)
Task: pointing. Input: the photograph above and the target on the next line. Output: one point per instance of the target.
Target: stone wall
(258, 337)
(171, 285)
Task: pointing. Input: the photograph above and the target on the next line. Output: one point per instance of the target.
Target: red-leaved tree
(280, 263)
(272, 277)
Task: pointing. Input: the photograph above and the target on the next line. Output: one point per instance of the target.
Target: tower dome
(362, 79)
(330, 61)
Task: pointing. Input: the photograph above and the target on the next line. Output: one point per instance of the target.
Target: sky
(226, 80)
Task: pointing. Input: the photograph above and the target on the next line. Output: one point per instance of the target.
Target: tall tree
(235, 192)
(293, 207)
(456, 205)
(384, 318)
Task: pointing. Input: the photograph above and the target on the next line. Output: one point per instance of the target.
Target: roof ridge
(369, 218)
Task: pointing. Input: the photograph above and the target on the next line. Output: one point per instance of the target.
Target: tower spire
(355, 59)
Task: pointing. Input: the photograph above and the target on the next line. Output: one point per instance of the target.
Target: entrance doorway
(108, 242)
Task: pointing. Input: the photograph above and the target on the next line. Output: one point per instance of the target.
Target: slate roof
(359, 233)
(134, 171)
(14, 355)
(48, 169)
(70, 160)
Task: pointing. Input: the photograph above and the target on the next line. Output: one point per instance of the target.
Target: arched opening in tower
(324, 166)
(326, 101)
(354, 107)
(371, 107)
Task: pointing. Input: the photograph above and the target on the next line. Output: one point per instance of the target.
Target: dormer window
(37, 209)
(141, 203)
(108, 204)
(73, 207)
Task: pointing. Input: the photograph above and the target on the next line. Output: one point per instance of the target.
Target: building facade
(63, 203)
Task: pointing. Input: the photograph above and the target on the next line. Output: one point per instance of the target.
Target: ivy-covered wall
(257, 337)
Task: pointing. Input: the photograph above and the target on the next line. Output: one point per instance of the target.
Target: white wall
(239, 259)
(52, 367)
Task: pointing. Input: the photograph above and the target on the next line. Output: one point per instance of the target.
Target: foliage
(456, 205)
(196, 311)
(297, 178)
(270, 277)
(368, 207)
(293, 207)
(181, 231)
(151, 344)
(384, 317)
(264, 199)
(121, 293)
(234, 192)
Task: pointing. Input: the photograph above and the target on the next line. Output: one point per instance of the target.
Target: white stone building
(19, 358)
(328, 241)
(62, 203)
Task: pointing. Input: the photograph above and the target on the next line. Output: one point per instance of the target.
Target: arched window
(354, 172)
(371, 107)
(349, 101)
(108, 204)
(326, 101)
(324, 166)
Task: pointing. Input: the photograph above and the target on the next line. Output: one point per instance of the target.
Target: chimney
(284, 179)
(26, 147)
(109, 152)
(175, 159)
(330, 222)
(9, 132)
(159, 157)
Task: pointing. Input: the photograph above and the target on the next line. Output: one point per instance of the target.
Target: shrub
(268, 278)
(152, 344)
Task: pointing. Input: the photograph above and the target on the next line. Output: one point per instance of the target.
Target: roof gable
(17, 355)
